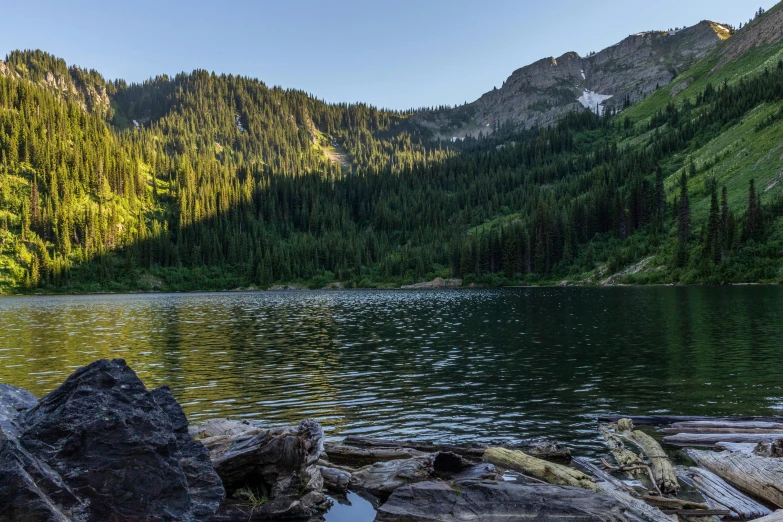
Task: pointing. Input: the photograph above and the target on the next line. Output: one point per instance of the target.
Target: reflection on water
(465, 364)
(351, 509)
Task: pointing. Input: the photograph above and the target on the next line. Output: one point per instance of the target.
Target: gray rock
(102, 447)
(496, 502)
(382, 478)
(335, 480)
(204, 485)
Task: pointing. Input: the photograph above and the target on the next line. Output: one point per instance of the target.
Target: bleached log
(666, 420)
(541, 448)
(623, 494)
(662, 470)
(725, 427)
(761, 477)
(738, 447)
(721, 495)
(777, 516)
(553, 473)
(623, 456)
(710, 439)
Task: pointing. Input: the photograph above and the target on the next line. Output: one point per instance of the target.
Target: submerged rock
(496, 502)
(103, 447)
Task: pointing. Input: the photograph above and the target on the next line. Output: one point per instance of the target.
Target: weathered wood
(543, 449)
(739, 447)
(466, 450)
(665, 420)
(601, 475)
(673, 503)
(359, 457)
(760, 476)
(663, 473)
(777, 516)
(622, 493)
(382, 478)
(710, 439)
(721, 495)
(335, 479)
(553, 473)
(623, 456)
(697, 512)
(725, 427)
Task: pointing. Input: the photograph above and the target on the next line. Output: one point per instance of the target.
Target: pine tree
(683, 223)
(714, 236)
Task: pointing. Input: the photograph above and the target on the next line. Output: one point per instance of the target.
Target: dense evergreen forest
(215, 182)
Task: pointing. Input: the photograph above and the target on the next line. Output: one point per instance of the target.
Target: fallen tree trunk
(777, 516)
(623, 494)
(359, 457)
(710, 439)
(543, 449)
(725, 427)
(721, 495)
(738, 447)
(623, 456)
(553, 473)
(674, 503)
(665, 420)
(760, 476)
(663, 473)
(466, 450)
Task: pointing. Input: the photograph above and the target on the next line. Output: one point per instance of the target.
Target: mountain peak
(540, 93)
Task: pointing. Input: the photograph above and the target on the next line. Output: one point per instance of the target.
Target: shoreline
(223, 470)
(389, 288)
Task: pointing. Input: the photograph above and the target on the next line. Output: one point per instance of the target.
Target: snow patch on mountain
(593, 101)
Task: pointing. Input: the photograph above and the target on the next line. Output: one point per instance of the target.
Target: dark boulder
(28, 488)
(496, 502)
(102, 447)
(204, 485)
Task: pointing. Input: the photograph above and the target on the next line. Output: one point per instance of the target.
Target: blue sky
(397, 54)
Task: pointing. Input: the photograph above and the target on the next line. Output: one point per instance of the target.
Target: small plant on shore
(253, 499)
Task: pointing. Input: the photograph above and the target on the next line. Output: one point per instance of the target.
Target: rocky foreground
(102, 447)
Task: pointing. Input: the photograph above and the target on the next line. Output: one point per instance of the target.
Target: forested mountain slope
(209, 182)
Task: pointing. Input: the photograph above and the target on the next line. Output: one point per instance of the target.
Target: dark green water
(445, 365)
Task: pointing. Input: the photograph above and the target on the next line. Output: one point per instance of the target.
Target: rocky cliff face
(543, 91)
(767, 29)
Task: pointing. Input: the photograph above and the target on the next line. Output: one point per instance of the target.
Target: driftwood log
(622, 455)
(725, 427)
(543, 449)
(356, 457)
(721, 495)
(553, 473)
(710, 439)
(667, 420)
(623, 494)
(662, 470)
(475, 451)
(777, 516)
(762, 477)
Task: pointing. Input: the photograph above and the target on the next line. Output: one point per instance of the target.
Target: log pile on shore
(102, 447)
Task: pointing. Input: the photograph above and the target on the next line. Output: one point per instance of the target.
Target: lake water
(443, 365)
